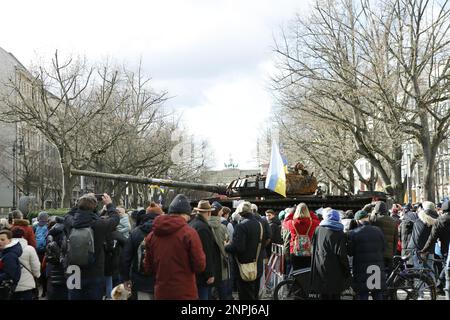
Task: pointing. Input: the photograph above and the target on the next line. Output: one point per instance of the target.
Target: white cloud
(213, 56)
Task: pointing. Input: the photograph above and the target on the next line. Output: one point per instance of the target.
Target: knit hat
(154, 208)
(43, 216)
(331, 215)
(180, 205)
(361, 214)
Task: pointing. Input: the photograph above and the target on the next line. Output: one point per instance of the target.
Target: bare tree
(67, 101)
(339, 65)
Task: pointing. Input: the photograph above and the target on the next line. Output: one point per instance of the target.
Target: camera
(99, 196)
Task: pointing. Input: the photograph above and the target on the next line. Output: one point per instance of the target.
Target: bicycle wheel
(413, 286)
(288, 290)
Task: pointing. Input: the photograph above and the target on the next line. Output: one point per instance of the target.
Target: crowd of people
(209, 252)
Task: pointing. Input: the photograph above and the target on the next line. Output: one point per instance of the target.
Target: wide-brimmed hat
(204, 206)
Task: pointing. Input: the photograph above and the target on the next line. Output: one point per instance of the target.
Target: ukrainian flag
(276, 177)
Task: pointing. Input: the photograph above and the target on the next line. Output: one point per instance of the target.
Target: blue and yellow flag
(276, 176)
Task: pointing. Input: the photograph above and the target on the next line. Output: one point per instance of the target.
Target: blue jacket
(366, 244)
(10, 268)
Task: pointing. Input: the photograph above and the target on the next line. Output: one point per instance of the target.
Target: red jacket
(174, 253)
(301, 225)
(27, 230)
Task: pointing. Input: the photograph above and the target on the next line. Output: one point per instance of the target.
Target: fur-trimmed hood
(21, 222)
(428, 217)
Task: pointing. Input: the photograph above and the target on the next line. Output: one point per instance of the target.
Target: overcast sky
(213, 56)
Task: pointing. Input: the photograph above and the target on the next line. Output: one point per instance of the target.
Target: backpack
(225, 223)
(80, 247)
(302, 244)
(40, 233)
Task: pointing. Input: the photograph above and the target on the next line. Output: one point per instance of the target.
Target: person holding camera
(86, 234)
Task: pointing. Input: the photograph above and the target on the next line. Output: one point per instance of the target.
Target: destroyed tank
(300, 187)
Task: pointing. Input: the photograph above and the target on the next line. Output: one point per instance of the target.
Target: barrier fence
(274, 269)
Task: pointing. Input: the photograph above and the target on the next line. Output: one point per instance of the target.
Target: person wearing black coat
(406, 228)
(10, 266)
(275, 226)
(244, 246)
(330, 270)
(92, 277)
(56, 282)
(140, 284)
(114, 243)
(441, 231)
(366, 245)
(213, 270)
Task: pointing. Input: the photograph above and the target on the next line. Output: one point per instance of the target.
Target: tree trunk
(428, 175)
(67, 188)
(398, 185)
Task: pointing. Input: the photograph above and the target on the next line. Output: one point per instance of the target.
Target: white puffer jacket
(30, 260)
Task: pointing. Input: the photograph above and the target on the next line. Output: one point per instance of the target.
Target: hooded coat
(129, 259)
(174, 254)
(10, 268)
(102, 227)
(441, 231)
(330, 271)
(422, 230)
(221, 235)
(30, 265)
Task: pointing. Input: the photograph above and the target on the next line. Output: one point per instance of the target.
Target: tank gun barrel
(145, 180)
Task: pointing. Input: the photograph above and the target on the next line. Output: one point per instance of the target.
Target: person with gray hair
(248, 236)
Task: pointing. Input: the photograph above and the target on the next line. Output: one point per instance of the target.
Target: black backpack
(80, 247)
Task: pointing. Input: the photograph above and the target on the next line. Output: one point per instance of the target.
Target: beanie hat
(361, 214)
(331, 215)
(180, 205)
(281, 215)
(154, 208)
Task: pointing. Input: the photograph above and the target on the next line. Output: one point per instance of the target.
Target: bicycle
(406, 283)
(294, 287)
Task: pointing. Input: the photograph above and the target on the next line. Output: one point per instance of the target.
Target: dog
(120, 293)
